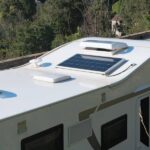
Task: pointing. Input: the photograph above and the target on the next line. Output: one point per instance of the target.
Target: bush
(34, 38)
(60, 39)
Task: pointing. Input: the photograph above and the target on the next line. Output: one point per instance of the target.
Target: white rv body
(45, 104)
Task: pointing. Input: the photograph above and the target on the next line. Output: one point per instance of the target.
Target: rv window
(51, 139)
(114, 132)
(145, 113)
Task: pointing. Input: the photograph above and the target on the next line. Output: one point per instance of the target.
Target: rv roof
(20, 92)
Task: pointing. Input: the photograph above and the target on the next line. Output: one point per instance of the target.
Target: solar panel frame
(94, 64)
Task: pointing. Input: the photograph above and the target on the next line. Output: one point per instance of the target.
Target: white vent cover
(80, 131)
(35, 62)
(103, 45)
(51, 77)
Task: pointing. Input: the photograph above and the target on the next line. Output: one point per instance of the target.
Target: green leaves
(135, 13)
(34, 38)
(28, 8)
(29, 27)
(64, 16)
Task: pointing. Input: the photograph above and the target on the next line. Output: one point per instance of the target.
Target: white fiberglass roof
(33, 85)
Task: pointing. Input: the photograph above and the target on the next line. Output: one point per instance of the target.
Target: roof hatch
(51, 77)
(108, 46)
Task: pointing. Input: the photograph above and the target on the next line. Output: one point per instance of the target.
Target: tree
(42, 1)
(97, 18)
(34, 38)
(10, 11)
(13, 11)
(64, 16)
(135, 15)
(28, 8)
(29, 27)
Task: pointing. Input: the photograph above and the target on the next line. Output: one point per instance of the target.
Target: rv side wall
(76, 114)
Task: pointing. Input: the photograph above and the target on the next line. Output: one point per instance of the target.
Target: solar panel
(92, 63)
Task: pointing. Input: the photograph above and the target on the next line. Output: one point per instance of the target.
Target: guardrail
(138, 36)
(14, 62)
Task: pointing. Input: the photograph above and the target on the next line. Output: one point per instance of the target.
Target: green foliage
(28, 8)
(116, 8)
(42, 1)
(10, 11)
(13, 11)
(135, 14)
(27, 27)
(58, 40)
(64, 16)
(33, 38)
(61, 39)
(74, 36)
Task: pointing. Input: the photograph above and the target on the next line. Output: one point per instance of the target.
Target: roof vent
(51, 77)
(108, 46)
(35, 62)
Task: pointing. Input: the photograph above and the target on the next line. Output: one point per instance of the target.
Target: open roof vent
(107, 46)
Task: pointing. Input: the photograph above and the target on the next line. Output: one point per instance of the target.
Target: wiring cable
(129, 67)
(143, 124)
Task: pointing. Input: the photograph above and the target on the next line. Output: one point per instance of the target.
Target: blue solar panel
(92, 63)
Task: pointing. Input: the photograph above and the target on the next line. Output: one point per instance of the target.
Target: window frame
(42, 134)
(111, 123)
